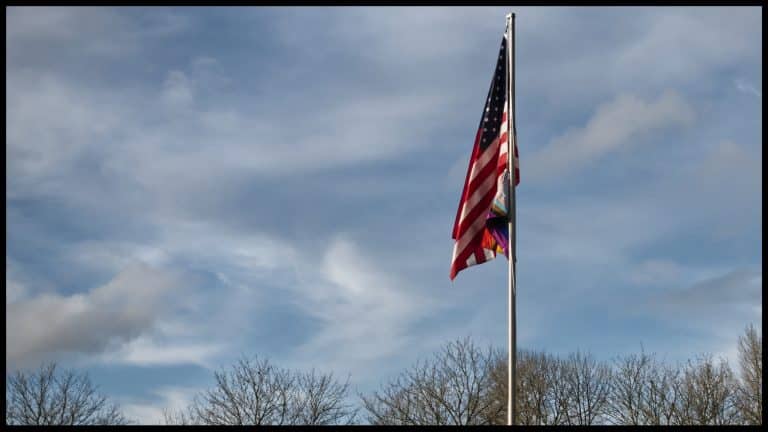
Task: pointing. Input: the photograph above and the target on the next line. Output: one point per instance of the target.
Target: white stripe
(477, 196)
(461, 243)
(504, 128)
(488, 153)
(489, 255)
(472, 260)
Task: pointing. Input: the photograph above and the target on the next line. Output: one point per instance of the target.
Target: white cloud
(49, 122)
(666, 274)
(95, 31)
(151, 351)
(614, 125)
(13, 290)
(681, 45)
(735, 289)
(395, 34)
(177, 90)
(718, 307)
(720, 188)
(252, 252)
(746, 87)
(727, 167)
(656, 272)
(367, 313)
(42, 326)
(221, 299)
(66, 25)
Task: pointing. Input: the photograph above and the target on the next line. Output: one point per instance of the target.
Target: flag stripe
(469, 241)
(485, 157)
(477, 190)
(475, 149)
(474, 215)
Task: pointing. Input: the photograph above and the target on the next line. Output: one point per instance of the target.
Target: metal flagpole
(511, 141)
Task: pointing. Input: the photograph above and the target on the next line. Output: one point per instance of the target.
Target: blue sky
(186, 185)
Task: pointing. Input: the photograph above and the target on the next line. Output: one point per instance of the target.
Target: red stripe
(491, 152)
(503, 137)
(502, 165)
(482, 257)
(455, 269)
(470, 190)
(466, 181)
(460, 262)
(477, 211)
(479, 256)
(484, 173)
(475, 240)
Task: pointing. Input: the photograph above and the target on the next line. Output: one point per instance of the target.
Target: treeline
(462, 384)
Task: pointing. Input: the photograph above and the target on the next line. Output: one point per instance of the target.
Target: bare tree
(707, 394)
(255, 392)
(465, 385)
(177, 417)
(57, 397)
(750, 390)
(587, 384)
(322, 400)
(452, 388)
(553, 391)
(662, 395)
(540, 389)
(643, 391)
(628, 390)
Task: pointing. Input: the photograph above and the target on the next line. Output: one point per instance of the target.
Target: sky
(185, 186)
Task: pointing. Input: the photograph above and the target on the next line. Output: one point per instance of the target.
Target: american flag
(480, 229)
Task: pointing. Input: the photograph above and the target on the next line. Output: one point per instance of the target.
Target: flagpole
(511, 140)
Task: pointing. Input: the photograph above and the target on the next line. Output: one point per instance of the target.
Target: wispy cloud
(746, 87)
(94, 31)
(719, 307)
(707, 42)
(613, 125)
(45, 324)
(149, 351)
(735, 289)
(366, 315)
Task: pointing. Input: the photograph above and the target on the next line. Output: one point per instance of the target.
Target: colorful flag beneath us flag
(481, 230)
